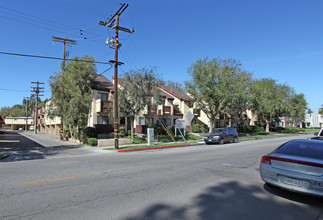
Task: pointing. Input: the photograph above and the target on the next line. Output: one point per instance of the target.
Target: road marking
(64, 178)
(9, 141)
(207, 157)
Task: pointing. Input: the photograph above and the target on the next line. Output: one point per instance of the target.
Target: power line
(97, 40)
(14, 90)
(47, 21)
(53, 58)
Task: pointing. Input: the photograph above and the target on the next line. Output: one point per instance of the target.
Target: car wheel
(221, 141)
(235, 140)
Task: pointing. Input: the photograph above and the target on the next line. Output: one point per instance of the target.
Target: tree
(204, 87)
(309, 111)
(269, 100)
(5, 111)
(297, 107)
(31, 103)
(219, 87)
(321, 110)
(175, 85)
(235, 86)
(71, 93)
(139, 90)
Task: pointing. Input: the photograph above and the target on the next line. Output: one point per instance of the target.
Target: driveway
(28, 146)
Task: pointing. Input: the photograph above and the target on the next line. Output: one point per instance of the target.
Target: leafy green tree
(204, 87)
(309, 111)
(175, 85)
(269, 100)
(321, 110)
(219, 87)
(18, 111)
(139, 90)
(31, 102)
(71, 93)
(5, 111)
(235, 86)
(297, 107)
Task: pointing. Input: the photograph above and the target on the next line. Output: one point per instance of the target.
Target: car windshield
(310, 149)
(218, 131)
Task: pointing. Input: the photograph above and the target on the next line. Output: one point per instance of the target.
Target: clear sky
(282, 40)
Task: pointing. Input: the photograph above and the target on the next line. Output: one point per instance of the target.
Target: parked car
(296, 165)
(318, 136)
(2, 130)
(31, 128)
(222, 135)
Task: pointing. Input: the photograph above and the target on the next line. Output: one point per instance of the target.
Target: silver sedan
(296, 165)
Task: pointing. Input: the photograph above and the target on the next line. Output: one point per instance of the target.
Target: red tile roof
(102, 83)
(176, 93)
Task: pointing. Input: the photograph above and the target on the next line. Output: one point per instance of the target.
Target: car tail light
(266, 160)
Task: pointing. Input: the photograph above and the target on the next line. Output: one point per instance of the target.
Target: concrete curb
(160, 147)
(187, 145)
(153, 148)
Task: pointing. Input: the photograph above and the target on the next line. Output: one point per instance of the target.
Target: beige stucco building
(16, 123)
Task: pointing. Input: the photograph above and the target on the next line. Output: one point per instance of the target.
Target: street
(197, 182)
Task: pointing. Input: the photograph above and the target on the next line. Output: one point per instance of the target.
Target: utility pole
(65, 41)
(26, 99)
(37, 90)
(115, 18)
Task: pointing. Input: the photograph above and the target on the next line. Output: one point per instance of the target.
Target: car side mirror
(316, 134)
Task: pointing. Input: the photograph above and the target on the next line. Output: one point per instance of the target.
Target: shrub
(92, 141)
(90, 132)
(121, 134)
(292, 130)
(196, 128)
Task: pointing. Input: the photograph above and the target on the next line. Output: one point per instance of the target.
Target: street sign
(180, 123)
(189, 116)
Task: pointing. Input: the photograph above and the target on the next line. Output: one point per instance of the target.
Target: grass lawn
(149, 146)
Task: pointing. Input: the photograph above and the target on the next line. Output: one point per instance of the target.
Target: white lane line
(9, 141)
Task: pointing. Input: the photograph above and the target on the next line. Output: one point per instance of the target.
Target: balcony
(152, 110)
(103, 106)
(106, 106)
(41, 111)
(167, 110)
(197, 112)
(177, 112)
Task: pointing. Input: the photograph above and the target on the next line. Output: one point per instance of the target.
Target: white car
(2, 130)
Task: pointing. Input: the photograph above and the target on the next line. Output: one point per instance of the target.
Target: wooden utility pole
(26, 102)
(65, 41)
(115, 18)
(37, 90)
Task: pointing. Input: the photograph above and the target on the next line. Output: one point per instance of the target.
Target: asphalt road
(198, 182)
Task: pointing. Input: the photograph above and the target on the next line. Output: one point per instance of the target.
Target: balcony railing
(106, 106)
(177, 111)
(197, 112)
(167, 110)
(152, 111)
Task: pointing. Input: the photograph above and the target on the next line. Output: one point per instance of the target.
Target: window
(161, 121)
(168, 122)
(141, 121)
(149, 121)
(103, 120)
(103, 96)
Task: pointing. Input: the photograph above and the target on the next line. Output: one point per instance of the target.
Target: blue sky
(282, 40)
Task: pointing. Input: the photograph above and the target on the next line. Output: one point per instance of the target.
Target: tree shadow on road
(232, 200)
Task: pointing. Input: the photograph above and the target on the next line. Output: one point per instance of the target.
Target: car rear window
(310, 149)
